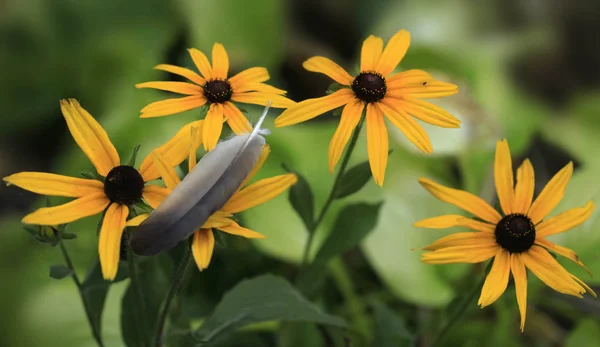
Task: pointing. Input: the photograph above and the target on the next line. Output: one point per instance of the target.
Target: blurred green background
(527, 70)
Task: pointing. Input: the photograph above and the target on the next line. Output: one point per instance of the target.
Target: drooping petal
(168, 174)
(348, 121)
(90, 136)
(565, 252)
(503, 175)
(497, 280)
(327, 67)
(262, 98)
(175, 150)
(454, 220)
(203, 245)
(461, 254)
(174, 87)
(259, 192)
(585, 286)
(464, 200)
(547, 269)
(187, 73)
(155, 195)
(565, 221)
(520, 277)
(259, 87)
(196, 141)
(213, 126)
(220, 62)
(236, 229)
(551, 195)
(431, 89)
(409, 127)
(137, 220)
(393, 53)
(424, 111)
(85, 206)
(408, 78)
(172, 106)
(370, 53)
(251, 75)
(377, 143)
(217, 220)
(202, 63)
(310, 108)
(482, 239)
(236, 119)
(54, 185)
(109, 243)
(264, 154)
(524, 187)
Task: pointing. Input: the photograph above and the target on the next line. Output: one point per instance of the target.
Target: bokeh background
(528, 71)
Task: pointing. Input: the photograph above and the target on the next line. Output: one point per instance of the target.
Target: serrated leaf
(352, 224)
(261, 299)
(302, 200)
(390, 330)
(60, 271)
(353, 180)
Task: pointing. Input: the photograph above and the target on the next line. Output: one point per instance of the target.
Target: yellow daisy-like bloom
(123, 185)
(517, 240)
(219, 91)
(396, 96)
(246, 197)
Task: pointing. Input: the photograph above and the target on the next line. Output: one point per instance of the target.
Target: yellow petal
(262, 98)
(168, 174)
(503, 176)
(394, 52)
(203, 245)
(454, 220)
(377, 143)
(213, 126)
(235, 229)
(565, 252)
(585, 286)
(202, 63)
(310, 108)
(251, 75)
(217, 220)
(409, 127)
(175, 150)
(195, 142)
(426, 112)
(259, 87)
(109, 243)
(54, 185)
(236, 119)
(259, 192)
(220, 62)
(370, 53)
(547, 269)
(90, 136)
(565, 221)
(428, 89)
(327, 67)
(464, 200)
(497, 280)
(551, 195)
(460, 254)
(524, 187)
(408, 78)
(172, 106)
(155, 195)
(520, 277)
(174, 87)
(187, 73)
(348, 121)
(135, 221)
(482, 239)
(85, 206)
(264, 154)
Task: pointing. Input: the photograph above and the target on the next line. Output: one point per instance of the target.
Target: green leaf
(334, 87)
(60, 271)
(353, 223)
(302, 200)
(353, 180)
(67, 236)
(261, 299)
(134, 155)
(390, 330)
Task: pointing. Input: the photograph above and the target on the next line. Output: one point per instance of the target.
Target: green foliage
(302, 200)
(353, 180)
(390, 329)
(60, 271)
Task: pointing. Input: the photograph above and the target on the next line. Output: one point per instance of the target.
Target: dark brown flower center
(515, 233)
(369, 86)
(217, 91)
(124, 185)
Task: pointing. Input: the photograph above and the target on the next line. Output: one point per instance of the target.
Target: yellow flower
(219, 91)
(397, 96)
(516, 240)
(246, 197)
(123, 185)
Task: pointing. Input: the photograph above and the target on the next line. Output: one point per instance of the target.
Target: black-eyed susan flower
(122, 186)
(396, 96)
(516, 240)
(246, 197)
(216, 89)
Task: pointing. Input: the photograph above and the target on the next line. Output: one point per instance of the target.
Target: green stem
(138, 295)
(332, 193)
(95, 332)
(175, 286)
